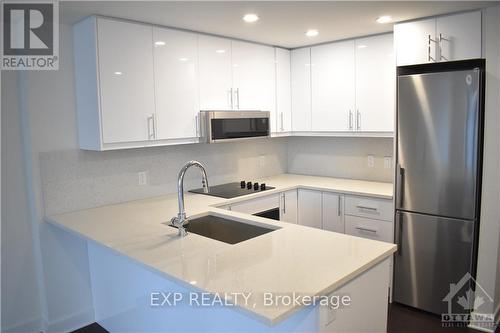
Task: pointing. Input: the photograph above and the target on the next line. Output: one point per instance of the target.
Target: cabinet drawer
(369, 228)
(379, 209)
(256, 205)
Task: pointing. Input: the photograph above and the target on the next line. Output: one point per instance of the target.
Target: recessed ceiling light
(220, 51)
(362, 46)
(250, 18)
(384, 19)
(183, 59)
(118, 73)
(159, 43)
(312, 33)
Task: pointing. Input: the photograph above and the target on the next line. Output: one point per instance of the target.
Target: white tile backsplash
(77, 179)
(340, 157)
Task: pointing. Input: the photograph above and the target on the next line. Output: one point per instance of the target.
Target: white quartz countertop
(293, 258)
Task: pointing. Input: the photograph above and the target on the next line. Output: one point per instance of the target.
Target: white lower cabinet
(288, 206)
(309, 208)
(333, 215)
(368, 228)
(256, 205)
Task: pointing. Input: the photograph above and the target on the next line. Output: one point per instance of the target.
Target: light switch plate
(371, 161)
(387, 162)
(143, 178)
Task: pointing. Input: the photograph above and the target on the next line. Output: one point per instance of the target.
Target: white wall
(21, 301)
(489, 233)
(340, 157)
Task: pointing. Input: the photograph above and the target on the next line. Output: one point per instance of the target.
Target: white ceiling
(281, 23)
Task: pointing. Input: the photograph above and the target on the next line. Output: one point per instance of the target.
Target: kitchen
(94, 152)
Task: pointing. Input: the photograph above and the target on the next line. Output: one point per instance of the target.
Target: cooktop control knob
(262, 186)
(242, 184)
(249, 185)
(256, 186)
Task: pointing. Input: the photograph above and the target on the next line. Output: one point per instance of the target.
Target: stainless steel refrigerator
(438, 179)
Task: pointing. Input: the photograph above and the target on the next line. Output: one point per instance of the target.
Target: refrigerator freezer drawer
(433, 252)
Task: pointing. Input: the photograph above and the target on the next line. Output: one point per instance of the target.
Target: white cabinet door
(309, 208)
(368, 228)
(215, 74)
(412, 41)
(283, 92)
(333, 86)
(301, 89)
(125, 80)
(333, 216)
(375, 84)
(254, 77)
(288, 206)
(459, 36)
(176, 83)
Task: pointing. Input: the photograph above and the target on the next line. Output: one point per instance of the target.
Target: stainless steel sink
(225, 230)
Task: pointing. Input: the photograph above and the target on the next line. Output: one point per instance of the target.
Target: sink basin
(225, 230)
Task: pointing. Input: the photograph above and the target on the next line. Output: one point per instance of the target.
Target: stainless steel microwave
(222, 126)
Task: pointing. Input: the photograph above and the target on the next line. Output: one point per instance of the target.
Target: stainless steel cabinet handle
(366, 229)
(282, 126)
(358, 120)
(237, 92)
(197, 125)
(339, 210)
(400, 173)
(374, 209)
(231, 98)
(151, 134)
(429, 40)
(284, 203)
(350, 120)
(441, 38)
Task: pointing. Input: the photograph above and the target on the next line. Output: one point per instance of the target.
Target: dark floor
(409, 320)
(402, 319)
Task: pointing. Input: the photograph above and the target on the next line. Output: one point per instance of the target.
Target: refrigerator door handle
(400, 174)
(399, 241)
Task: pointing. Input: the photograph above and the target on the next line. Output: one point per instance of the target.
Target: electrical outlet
(371, 161)
(143, 177)
(387, 162)
(262, 160)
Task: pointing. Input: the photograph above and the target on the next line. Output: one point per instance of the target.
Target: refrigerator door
(437, 143)
(433, 252)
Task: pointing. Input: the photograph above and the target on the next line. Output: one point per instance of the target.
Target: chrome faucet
(179, 220)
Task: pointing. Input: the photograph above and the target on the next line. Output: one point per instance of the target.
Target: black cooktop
(232, 190)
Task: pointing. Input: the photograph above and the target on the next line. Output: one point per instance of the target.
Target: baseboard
(475, 317)
(72, 322)
(33, 325)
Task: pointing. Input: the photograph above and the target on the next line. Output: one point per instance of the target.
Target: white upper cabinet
(176, 83)
(126, 85)
(375, 84)
(215, 73)
(414, 42)
(333, 86)
(254, 82)
(301, 89)
(443, 38)
(459, 36)
(283, 92)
